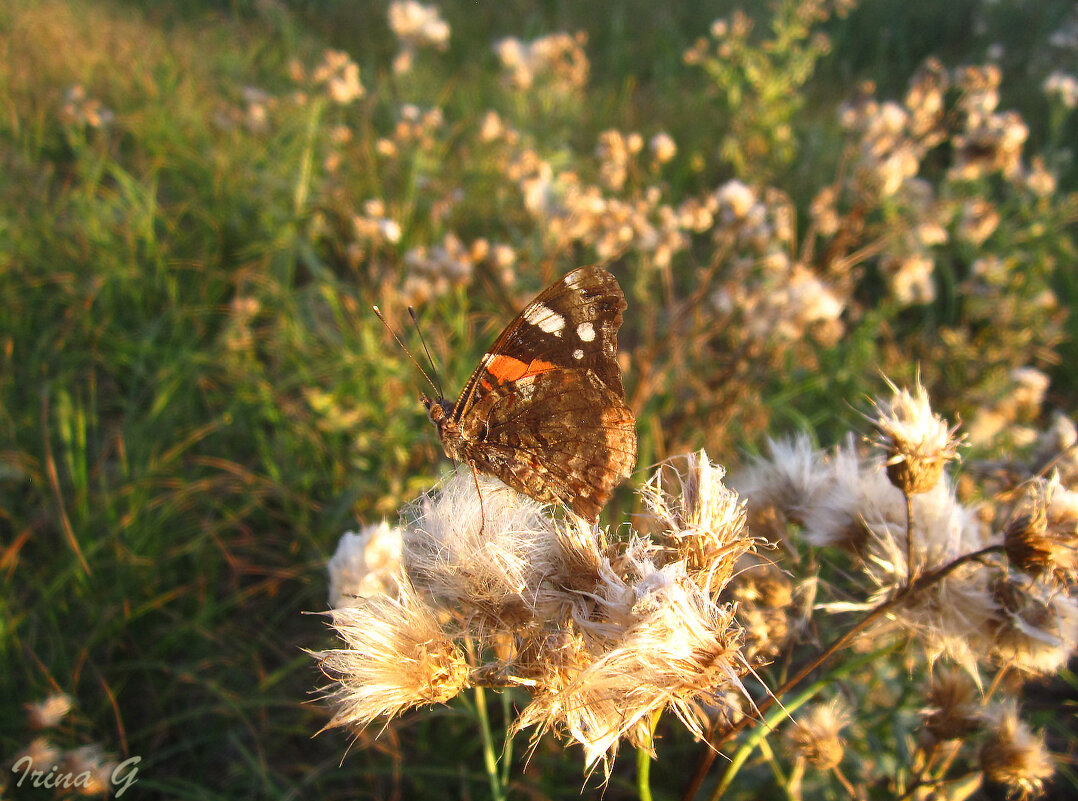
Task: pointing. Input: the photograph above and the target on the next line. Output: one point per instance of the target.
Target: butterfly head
(440, 412)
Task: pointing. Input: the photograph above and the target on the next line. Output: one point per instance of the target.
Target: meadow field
(234, 561)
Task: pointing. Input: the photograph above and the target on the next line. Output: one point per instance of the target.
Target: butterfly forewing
(572, 324)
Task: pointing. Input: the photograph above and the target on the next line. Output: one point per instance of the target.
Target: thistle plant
(603, 634)
(605, 629)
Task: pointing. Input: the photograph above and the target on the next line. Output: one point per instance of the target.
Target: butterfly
(545, 410)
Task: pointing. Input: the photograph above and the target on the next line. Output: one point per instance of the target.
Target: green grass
(168, 498)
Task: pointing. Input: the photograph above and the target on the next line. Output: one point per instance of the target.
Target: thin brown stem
(921, 584)
(945, 763)
(909, 536)
(851, 791)
(996, 680)
(956, 746)
(926, 768)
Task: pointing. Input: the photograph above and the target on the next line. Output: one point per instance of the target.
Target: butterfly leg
(482, 511)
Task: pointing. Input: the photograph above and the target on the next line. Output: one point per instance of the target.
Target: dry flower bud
(365, 563)
(674, 650)
(815, 735)
(1036, 627)
(1042, 537)
(790, 479)
(48, 713)
(1015, 757)
(41, 753)
(90, 761)
(918, 443)
(703, 522)
(954, 705)
(491, 559)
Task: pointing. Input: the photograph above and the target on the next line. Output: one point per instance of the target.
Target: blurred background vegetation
(199, 203)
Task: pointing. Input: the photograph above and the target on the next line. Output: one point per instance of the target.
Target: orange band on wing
(506, 368)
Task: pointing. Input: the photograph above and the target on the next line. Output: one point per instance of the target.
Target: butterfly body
(545, 410)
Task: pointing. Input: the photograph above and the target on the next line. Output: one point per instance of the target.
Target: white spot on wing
(586, 332)
(547, 320)
(578, 354)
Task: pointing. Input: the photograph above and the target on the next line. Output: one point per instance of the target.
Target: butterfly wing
(545, 410)
(573, 324)
(560, 435)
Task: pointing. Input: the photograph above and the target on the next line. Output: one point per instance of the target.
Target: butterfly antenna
(407, 352)
(423, 342)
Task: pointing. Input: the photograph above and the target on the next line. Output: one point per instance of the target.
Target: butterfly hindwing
(561, 435)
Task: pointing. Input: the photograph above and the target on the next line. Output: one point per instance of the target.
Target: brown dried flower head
(816, 735)
(790, 480)
(764, 595)
(48, 713)
(92, 765)
(702, 521)
(918, 443)
(41, 753)
(1035, 628)
(1042, 537)
(488, 562)
(675, 649)
(1015, 757)
(954, 704)
(365, 563)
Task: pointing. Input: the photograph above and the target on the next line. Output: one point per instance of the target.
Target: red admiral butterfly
(545, 410)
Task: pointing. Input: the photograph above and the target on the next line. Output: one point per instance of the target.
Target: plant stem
(507, 751)
(643, 762)
(306, 163)
(909, 536)
(775, 717)
(490, 760)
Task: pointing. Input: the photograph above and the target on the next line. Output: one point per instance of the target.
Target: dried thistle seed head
(954, 704)
(488, 559)
(790, 479)
(952, 616)
(1015, 757)
(838, 515)
(702, 522)
(366, 563)
(91, 761)
(41, 753)
(1035, 629)
(816, 734)
(763, 595)
(675, 649)
(766, 632)
(917, 442)
(761, 583)
(48, 713)
(396, 657)
(1042, 537)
